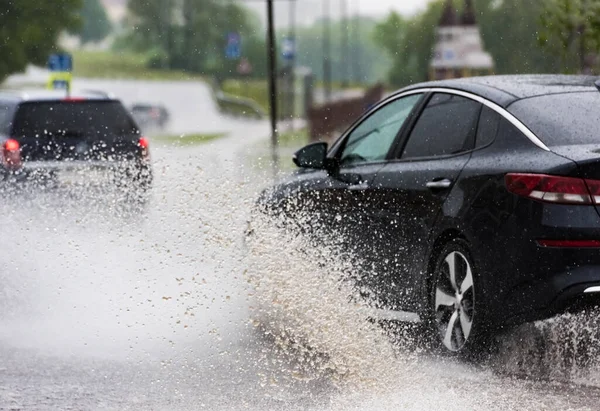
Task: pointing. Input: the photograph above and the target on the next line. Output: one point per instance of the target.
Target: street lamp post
(345, 43)
(357, 50)
(326, 50)
(272, 85)
(292, 77)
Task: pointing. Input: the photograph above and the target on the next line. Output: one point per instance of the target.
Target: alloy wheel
(454, 301)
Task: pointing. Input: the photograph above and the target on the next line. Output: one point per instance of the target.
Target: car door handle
(439, 184)
(359, 187)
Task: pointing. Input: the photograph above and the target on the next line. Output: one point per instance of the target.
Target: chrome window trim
(498, 109)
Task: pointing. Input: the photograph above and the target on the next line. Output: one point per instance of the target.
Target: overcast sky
(310, 10)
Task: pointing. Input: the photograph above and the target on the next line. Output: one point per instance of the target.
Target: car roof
(53, 95)
(505, 90)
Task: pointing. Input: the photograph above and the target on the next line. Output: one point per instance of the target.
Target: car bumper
(79, 171)
(571, 290)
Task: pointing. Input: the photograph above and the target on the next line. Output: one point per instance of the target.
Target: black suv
(47, 136)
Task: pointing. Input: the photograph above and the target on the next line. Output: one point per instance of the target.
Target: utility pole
(345, 43)
(272, 85)
(326, 50)
(356, 67)
(292, 77)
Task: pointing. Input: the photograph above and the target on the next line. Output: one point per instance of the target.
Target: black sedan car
(472, 204)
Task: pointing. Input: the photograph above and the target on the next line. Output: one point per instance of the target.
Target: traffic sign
(60, 62)
(288, 48)
(233, 50)
(60, 80)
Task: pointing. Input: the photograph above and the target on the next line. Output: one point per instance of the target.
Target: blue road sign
(233, 50)
(62, 62)
(288, 49)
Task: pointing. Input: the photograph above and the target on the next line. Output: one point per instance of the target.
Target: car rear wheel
(456, 312)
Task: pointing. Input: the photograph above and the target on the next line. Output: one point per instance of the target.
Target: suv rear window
(100, 119)
(562, 119)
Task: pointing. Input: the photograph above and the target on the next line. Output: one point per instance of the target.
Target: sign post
(245, 69)
(272, 85)
(233, 49)
(61, 69)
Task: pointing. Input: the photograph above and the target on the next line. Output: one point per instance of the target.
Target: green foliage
(365, 62)
(188, 139)
(191, 34)
(409, 44)
(571, 30)
(256, 90)
(95, 25)
(121, 65)
(509, 29)
(29, 30)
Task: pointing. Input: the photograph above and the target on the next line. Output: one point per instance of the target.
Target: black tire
(456, 299)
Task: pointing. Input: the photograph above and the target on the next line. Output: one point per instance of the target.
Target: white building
(459, 50)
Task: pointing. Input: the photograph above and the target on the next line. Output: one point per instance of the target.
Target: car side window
(446, 126)
(372, 139)
(487, 128)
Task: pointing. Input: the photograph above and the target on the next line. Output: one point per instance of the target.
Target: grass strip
(104, 64)
(188, 139)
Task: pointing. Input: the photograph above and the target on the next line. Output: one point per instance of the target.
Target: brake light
(11, 154)
(570, 243)
(73, 99)
(594, 187)
(553, 189)
(143, 142)
(11, 145)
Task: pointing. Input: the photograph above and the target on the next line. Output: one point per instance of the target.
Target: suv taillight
(144, 145)
(554, 189)
(11, 154)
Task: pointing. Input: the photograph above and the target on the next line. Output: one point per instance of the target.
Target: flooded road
(166, 308)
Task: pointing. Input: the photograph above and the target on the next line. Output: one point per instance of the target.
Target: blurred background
(327, 51)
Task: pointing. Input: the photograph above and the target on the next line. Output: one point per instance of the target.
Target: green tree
(95, 25)
(571, 28)
(409, 44)
(29, 30)
(365, 62)
(509, 29)
(189, 34)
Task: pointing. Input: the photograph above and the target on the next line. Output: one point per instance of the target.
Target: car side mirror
(312, 156)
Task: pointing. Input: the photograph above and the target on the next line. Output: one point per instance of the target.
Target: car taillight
(594, 186)
(570, 243)
(11, 154)
(144, 144)
(554, 189)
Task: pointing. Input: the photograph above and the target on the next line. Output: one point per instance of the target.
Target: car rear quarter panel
(502, 228)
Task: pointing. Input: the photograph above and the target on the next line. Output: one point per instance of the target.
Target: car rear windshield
(97, 119)
(562, 119)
